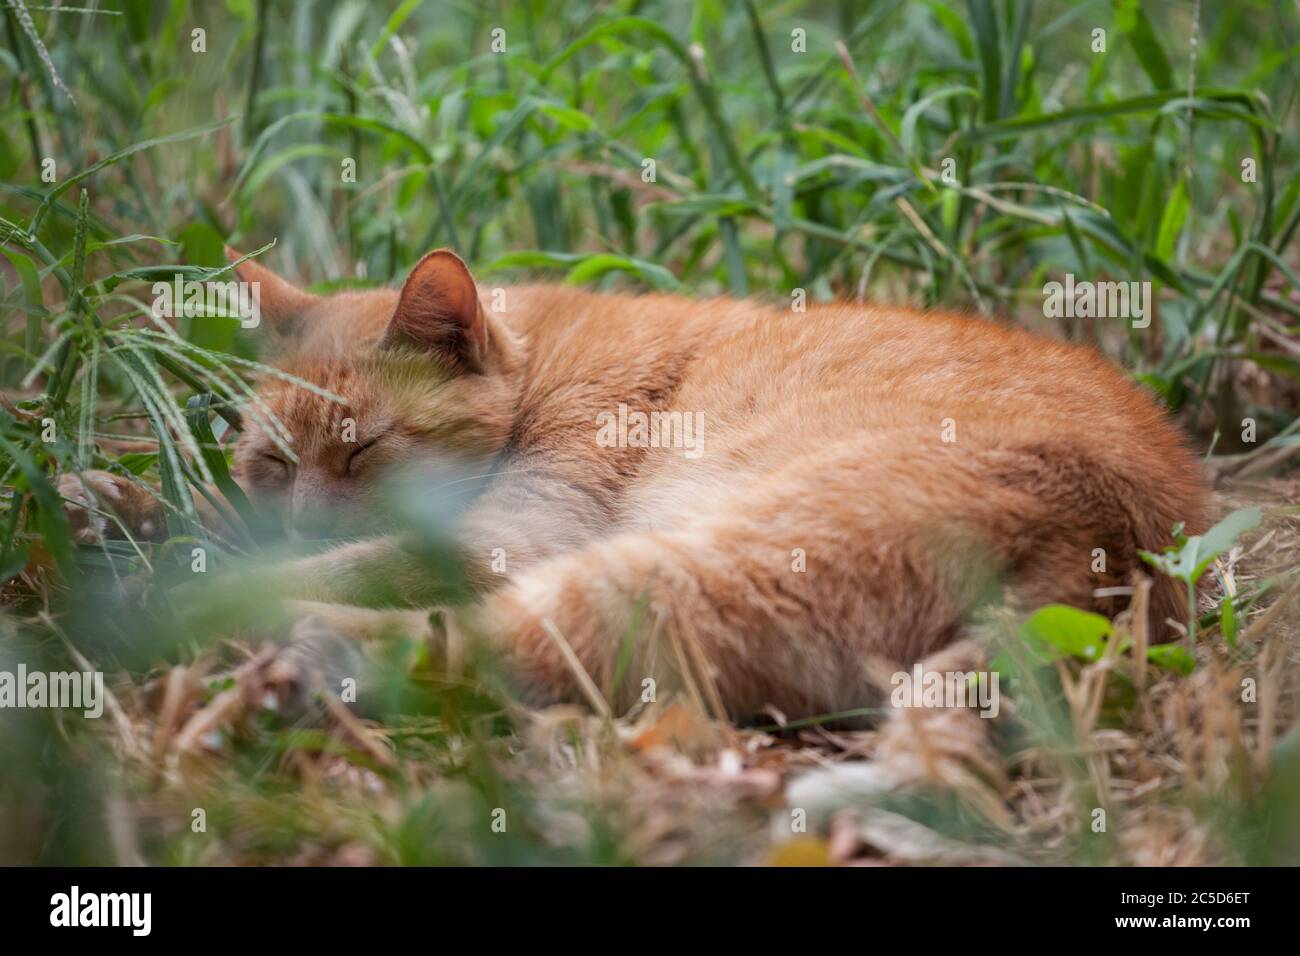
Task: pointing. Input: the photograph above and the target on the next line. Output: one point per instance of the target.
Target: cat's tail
(1084, 545)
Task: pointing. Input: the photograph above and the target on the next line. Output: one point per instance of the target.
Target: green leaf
(1225, 534)
(1173, 656)
(28, 275)
(196, 412)
(33, 295)
(1070, 631)
(270, 165)
(1171, 223)
(593, 267)
(955, 24)
(567, 116)
(138, 462)
(984, 20)
(704, 205)
(585, 268)
(696, 74)
(392, 26)
(1148, 103)
(1228, 621)
(907, 132)
(120, 155)
(1132, 21)
(13, 564)
(1188, 562)
(50, 519)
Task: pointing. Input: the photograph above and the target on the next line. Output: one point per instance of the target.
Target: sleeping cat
(788, 493)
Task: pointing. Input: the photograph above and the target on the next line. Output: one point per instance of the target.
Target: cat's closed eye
(356, 459)
(272, 468)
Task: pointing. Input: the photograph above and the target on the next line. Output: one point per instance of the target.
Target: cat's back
(844, 366)
(771, 381)
(897, 383)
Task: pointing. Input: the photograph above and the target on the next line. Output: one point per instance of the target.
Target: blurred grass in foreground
(773, 170)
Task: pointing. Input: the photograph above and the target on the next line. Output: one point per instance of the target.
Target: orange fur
(823, 435)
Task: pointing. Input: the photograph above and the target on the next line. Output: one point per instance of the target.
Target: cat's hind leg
(789, 593)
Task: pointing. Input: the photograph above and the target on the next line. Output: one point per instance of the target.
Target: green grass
(774, 170)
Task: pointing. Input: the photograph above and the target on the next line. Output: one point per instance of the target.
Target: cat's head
(424, 373)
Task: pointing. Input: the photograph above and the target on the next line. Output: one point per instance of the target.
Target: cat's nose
(313, 519)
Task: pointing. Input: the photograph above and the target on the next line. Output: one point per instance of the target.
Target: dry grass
(1068, 162)
(1180, 765)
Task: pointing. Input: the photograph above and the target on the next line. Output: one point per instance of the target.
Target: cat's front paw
(318, 659)
(330, 650)
(90, 496)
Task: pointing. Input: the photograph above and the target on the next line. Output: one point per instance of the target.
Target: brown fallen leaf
(678, 727)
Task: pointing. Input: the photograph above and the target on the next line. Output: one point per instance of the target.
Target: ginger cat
(843, 483)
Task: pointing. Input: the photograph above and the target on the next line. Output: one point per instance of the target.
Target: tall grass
(935, 154)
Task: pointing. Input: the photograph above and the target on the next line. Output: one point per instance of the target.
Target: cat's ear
(438, 311)
(281, 303)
